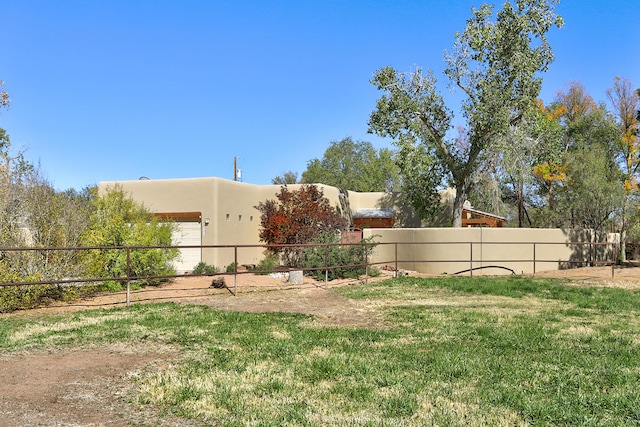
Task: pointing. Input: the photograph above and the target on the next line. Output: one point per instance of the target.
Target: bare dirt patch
(79, 387)
(246, 292)
(92, 386)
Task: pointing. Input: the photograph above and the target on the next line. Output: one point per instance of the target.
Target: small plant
(232, 267)
(344, 261)
(271, 262)
(110, 286)
(204, 269)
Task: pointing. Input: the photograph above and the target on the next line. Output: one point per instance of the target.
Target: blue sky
(114, 90)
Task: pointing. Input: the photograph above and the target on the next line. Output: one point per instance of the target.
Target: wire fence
(389, 255)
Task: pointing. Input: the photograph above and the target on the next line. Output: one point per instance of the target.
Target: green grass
(452, 351)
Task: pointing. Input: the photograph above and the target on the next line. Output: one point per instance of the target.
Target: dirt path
(92, 386)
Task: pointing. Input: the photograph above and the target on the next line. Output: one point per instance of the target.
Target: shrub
(204, 268)
(270, 263)
(117, 220)
(345, 261)
(298, 217)
(231, 267)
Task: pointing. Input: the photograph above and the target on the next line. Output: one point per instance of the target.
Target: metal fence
(592, 253)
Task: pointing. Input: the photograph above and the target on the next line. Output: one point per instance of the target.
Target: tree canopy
(495, 62)
(288, 177)
(354, 165)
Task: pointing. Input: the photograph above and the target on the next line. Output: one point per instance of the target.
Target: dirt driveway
(91, 386)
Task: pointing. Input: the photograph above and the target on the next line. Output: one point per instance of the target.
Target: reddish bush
(297, 217)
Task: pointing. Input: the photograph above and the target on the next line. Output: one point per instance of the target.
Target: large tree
(496, 62)
(353, 165)
(535, 140)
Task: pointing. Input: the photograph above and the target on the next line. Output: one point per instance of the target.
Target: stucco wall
(233, 220)
(452, 250)
(229, 208)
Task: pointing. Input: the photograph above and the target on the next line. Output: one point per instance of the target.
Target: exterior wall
(230, 218)
(511, 248)
(228, 213)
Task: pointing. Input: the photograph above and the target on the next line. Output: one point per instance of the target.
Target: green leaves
(355, 166)
(496, 63)
(117, 220)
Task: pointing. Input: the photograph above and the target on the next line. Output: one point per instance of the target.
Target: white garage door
(187, 233)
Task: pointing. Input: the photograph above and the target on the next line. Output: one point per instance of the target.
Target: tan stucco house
(216, 217)
(216, 211)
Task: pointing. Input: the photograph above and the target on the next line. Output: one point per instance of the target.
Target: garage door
(187, 233)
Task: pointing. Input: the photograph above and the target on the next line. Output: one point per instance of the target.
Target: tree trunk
(520, 197)
(458, 204)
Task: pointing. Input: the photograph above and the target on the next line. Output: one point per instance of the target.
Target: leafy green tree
(353, 165)
(33, 215)
(117, 220)
(421, 175)
(510, 185)
(593, 192)
(496, 64)
(626, 107)
(296, 218)
(288, 177)
(587, 184)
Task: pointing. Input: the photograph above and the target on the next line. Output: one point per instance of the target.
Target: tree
(117, 220)
(535, 140)
(496, 65)
(626, 105)
(586, 180)
(353, 165)
(33, 215)
(593, 192)
(297, 217)
(288, 177)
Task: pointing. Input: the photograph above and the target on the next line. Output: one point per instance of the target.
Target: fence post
(128, 277)
(326, 265)
(366, 264)
(235, 270)
(396, 247)
(614, 255)
(471, 258)
(534, 259)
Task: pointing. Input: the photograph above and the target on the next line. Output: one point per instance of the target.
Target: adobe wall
(452, 250)
(228, 209)
(230, 218)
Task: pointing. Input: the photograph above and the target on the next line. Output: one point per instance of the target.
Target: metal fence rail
(599, 253)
